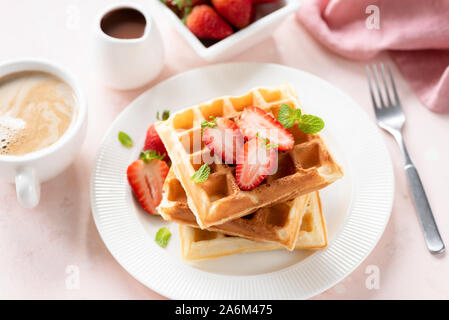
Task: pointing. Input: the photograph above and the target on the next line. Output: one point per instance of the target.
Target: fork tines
(373, 70)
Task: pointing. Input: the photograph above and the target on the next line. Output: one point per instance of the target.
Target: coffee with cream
(36, 109)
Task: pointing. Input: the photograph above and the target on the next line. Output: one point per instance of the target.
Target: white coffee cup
(127, 63)
(29, 170)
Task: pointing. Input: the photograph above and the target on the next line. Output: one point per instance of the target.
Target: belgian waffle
(278, 223)
(200, 244)
(306, 168)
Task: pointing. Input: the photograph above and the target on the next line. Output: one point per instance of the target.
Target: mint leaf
(201, 174)
(162, 237)
(186, 13)
(149, 155)
(287, 116)
(272, 145)
(307, 123)
(297, 113)
(125, 139)
(310, 124)
(165, 115)
(178, 3)
(267, 142)
(209, 124)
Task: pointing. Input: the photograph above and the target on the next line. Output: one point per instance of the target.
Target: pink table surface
(38, 246)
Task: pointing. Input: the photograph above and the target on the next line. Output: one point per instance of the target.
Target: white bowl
(240, 40)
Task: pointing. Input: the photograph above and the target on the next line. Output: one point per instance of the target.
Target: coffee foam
(11, 133)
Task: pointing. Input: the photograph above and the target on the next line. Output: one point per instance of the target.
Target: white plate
(356, 207)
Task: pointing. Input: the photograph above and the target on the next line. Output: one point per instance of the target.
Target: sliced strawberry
(154, 142)
(224, 139)
(146, 180)
(256, 122)
(255, 163)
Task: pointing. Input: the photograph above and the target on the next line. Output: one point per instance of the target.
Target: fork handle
(425, 216)
(431, 234)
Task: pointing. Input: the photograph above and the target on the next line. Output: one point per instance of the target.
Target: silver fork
(390, 117)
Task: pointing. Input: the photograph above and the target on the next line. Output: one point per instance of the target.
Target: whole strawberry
(236, 12)
(205, 23)
(154, 142)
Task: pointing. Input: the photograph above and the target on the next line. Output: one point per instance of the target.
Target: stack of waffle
(216, 217)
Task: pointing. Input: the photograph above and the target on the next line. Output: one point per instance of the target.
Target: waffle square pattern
(200, 244)
(278, 223)
(306, 168)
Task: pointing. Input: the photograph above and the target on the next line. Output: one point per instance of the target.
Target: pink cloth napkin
(415, 31)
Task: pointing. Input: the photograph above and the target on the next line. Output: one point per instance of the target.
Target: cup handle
(27, 188)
